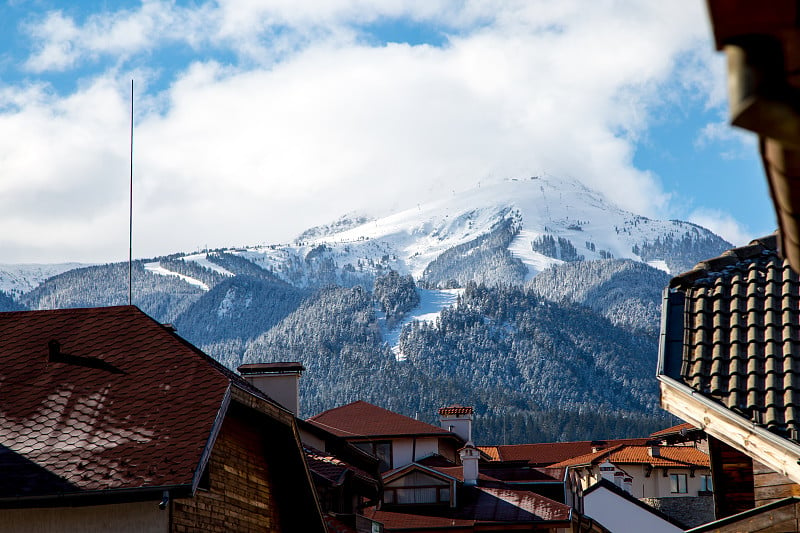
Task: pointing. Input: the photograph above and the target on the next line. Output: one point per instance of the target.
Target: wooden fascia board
(212, 439)
(779, 454)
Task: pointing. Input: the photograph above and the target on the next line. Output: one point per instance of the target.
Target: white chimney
(470, 455)
(279, 381)
(607, 471)
(627, 484)
(457, 419)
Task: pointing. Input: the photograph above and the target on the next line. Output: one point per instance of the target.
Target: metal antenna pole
(130, 216)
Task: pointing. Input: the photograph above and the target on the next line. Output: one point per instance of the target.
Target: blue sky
(258, 119)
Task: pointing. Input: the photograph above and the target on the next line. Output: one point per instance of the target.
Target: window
(706, 485)
(677, 483)
(381, 450)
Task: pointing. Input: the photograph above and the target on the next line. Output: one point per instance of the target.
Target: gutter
(97, 497)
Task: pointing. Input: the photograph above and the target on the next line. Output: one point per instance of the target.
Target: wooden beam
(779, 454)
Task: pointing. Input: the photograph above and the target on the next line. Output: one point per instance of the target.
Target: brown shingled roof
(362, 419)
(101, 399)
(742, 335)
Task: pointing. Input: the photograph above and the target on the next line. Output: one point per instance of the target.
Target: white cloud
(723, 224)
(229, 156)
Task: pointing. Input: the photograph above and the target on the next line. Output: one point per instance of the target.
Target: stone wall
(691, 511)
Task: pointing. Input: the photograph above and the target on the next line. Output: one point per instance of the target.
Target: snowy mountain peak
(551, 220)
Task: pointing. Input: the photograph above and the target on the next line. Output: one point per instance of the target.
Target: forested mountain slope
(540, 307)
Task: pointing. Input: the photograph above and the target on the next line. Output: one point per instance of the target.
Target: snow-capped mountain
(486, 297)
(549, 221)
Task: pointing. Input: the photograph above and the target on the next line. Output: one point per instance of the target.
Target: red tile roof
(674, 430)
(455, 410)
(669, 456)
(548, 453)
(119, 403)
(362, 419)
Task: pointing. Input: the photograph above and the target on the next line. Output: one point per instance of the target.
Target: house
(651, 471)
(397, 440)
(432, 479)
(729, 364)
(109, 421)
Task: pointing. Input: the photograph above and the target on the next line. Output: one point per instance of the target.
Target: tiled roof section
(548, 453)
(668, 456)
(362, 419)
(528, 475)
(674, 430)
(481, 505)
(123, 403)
(331, 468)
(455, 410)
(742, 335)
(491, 451)
(397, 521)
(486, 504)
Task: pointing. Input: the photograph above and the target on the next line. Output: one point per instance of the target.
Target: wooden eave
(779, 454)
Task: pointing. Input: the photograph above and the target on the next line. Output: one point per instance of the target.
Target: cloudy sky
(256, 119)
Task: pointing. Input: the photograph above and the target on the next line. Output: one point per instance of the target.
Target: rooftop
(364, 420)
(101, 399)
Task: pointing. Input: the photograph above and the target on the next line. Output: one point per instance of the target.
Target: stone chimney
(279, 381)
(457, 419)
(470, 455)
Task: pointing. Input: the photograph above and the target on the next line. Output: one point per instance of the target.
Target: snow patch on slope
(156, 268)
(431, 303)
(202, 260)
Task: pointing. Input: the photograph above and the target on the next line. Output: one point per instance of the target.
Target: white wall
(123, 518)
(405, 451)
(622, 516)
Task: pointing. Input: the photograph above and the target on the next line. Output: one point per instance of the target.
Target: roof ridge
(766, 246)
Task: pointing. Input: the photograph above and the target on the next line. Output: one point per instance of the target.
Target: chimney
(654, 451)
(627, 484)
(470, 455)
(607, 471)
(457, 419)
(279, 381)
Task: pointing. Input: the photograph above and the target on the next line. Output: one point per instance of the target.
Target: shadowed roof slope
(362, 419)
(101, 399)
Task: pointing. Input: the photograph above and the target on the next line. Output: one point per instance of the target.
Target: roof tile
(362, 419)
(741, 332)
(129, 404)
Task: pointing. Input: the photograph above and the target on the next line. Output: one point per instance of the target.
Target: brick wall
(240, 494)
